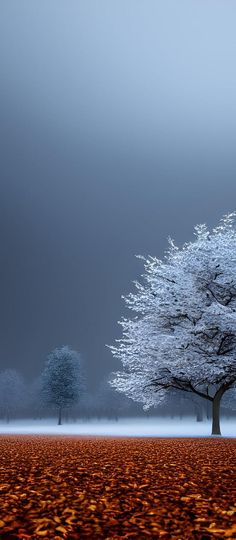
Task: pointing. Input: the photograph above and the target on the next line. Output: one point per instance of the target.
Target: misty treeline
(35, 399)
(59, 390)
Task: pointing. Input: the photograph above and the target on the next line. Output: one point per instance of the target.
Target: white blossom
(182, 333)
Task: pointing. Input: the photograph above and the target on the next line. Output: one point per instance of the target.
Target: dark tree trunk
(215, 403)
(216, 408)
(59, 416)
(216, 415)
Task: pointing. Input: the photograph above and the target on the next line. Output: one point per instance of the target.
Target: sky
(117, 130)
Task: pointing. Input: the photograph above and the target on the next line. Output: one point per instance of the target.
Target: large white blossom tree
(183, 332)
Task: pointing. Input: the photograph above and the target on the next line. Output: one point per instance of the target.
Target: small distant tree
(62, 380)
(12, 393)
(183, 332)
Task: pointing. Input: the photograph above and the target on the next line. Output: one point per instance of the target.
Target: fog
(125, 427)
(118, 129)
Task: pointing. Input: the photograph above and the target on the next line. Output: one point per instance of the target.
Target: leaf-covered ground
(106, 488)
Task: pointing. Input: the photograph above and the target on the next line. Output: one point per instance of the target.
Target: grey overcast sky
(118, 129)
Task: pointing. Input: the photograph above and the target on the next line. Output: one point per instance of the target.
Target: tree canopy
(61, 379)
(183, 332)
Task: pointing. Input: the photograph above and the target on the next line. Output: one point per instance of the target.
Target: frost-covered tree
(12, 393)
(62, 379)
(183, 332)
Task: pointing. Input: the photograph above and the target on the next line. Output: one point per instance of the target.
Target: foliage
(97, 488)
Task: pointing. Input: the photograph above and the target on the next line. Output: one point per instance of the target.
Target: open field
(110, 488)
